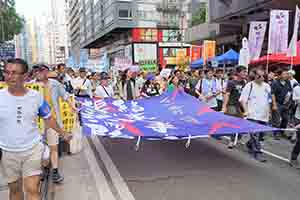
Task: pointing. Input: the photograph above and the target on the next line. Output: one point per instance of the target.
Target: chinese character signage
(209, 50)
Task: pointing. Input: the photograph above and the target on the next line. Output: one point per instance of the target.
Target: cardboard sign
(67, 115)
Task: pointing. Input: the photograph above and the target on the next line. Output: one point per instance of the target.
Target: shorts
(52, 137)
(17, 165)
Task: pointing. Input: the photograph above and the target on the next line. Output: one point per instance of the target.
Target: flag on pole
(244, 58)
(292, 50)
(278, 31)
(256, 38)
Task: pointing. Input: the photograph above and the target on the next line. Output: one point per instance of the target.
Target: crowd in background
(271, 98)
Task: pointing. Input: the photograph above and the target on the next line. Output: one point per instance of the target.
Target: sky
(32, 8)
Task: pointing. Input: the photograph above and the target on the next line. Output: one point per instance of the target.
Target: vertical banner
(209, 49)
(195, 53)
(256, 38)
(67, 115)
(278, 31)
(292, 51)
(244, 58)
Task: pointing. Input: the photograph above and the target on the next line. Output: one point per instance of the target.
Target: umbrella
(276, 58)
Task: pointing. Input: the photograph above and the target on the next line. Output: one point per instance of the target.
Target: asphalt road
(166, 170)
(111, 169)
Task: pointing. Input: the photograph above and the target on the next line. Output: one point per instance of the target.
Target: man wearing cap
(53, 90)
(82, 85)
(104, 90)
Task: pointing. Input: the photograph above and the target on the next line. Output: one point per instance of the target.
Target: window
(124, 13)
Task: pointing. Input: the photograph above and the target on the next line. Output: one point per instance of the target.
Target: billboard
(7, 50)
(144, 51)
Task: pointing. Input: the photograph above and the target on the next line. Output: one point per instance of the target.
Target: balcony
(166, 7)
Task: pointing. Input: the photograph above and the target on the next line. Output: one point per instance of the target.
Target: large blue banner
(170, 116)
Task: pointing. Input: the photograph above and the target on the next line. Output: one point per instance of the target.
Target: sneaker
(295, 164)
(230, 145)
(260, 157)
(57, 178)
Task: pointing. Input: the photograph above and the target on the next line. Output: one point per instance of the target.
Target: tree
(199, 17)
(10, 22)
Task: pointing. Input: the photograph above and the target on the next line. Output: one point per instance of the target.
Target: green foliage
(199, 17)
(10, 23)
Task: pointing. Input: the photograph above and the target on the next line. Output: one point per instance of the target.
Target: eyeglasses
(12, 73)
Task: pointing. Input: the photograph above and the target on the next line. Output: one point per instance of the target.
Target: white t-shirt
(296, 98)
(258, 100)
(221, 86)
(18, 120)
(100, 91)
(84, 84)
(207, 88)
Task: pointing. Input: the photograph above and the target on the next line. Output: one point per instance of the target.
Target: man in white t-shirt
(207, 90)
(104, 90)
(82, 85)
(20, 141)
(256, 99)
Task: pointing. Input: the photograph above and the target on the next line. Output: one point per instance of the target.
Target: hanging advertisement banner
(196, 53)
(292, 50)
(256, 38)
(278, 31)
(209, 49)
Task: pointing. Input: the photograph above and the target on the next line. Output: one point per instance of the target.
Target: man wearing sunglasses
(20, 140)
(256, 100)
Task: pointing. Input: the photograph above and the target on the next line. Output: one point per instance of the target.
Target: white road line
(102, 185)
(116, 177)
(267, 152)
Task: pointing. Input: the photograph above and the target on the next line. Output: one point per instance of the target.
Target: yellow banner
(67, 115)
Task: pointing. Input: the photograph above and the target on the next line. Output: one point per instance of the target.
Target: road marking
(116, 177)
(266, 152)
(102, 186)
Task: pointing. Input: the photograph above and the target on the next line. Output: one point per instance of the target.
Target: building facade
(73, 24)
(59, 42)
(138, 31)
(229, 20)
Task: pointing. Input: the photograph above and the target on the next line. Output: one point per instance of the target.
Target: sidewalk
(79, 182)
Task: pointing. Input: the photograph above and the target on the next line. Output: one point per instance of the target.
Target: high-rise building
(73, 17)
(58, 34)
(119, 28)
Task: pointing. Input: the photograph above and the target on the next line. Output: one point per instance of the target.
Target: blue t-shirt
(18, 120)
